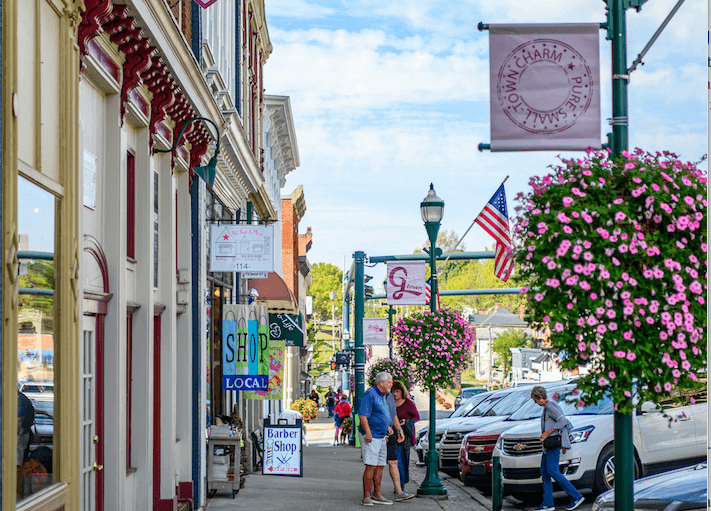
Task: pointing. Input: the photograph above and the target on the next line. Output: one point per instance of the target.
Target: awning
(278, 296)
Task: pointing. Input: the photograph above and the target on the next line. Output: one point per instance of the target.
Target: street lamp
(432, 209)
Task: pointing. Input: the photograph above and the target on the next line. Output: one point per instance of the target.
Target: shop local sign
(282, 451)
(245, 347)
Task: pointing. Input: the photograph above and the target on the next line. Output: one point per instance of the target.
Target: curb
(474, 494)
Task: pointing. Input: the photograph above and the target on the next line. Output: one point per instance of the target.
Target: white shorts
(374, 453)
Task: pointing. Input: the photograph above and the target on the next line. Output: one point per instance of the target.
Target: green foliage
(615, 250)
(326, 278)
(511, 338)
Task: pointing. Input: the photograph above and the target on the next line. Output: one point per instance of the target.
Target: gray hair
(539, 392)
(384, 376)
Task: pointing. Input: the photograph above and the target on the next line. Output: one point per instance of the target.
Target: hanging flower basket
(397, 368)
(437, 345)
(615, 251)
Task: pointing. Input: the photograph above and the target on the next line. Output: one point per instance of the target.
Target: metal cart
(223, 462)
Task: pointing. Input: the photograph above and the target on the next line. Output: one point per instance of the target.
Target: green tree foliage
(325, 278)
(511, 338)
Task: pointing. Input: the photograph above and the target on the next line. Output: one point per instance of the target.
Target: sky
(389, 96)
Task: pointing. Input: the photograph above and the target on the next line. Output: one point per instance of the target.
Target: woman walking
(407, 414)
(555, 436)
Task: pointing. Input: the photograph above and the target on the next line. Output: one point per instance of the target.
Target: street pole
(359, 289)
(432, 485)
(491, 361)
(624, 456)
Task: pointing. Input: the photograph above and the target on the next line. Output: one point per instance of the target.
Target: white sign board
(375, 331)
(406, 282)
(544, 87)
(242, 248)
(255, 274)
(282, 451)
(325, 381)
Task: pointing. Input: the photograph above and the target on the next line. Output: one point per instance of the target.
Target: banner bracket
(484, 147)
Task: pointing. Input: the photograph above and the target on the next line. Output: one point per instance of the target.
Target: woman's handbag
(553, 442)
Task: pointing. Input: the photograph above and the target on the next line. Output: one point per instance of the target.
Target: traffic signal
(333, 365)
(368, 290)
(343, 358)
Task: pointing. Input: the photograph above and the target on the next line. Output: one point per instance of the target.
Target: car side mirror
(648, 407)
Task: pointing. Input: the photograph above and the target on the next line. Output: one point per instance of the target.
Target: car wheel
(605, 471)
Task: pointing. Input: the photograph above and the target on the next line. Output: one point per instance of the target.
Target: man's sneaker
(543, 507)
(403, 496)
(367, 502)
(381, 500)
(575, 504)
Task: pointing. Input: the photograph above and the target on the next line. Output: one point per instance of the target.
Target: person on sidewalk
(330, 401)
(407, 414)
(374, 427)
(340, 412)
(556, 428)
(393, 441)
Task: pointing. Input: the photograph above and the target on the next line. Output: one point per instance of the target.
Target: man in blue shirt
(373, 430)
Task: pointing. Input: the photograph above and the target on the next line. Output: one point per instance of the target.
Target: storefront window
(35, 339)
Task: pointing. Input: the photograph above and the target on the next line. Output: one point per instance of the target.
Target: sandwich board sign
(283, 455)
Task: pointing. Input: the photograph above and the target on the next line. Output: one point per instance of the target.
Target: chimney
(521, 310)
(498, 305)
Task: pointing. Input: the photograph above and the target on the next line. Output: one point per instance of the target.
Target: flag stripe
(494, 220)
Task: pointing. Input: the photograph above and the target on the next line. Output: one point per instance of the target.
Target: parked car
(658, 445)
(466, 393)
(38, 390)
(478, 411)
(476, 448)
(42, 439)
(463, 410)
(512, 400)
(681, 489)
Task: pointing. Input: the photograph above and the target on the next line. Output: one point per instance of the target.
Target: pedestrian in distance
(330, 401)
(374, 428)
(408, 415)
(340, 412)
(315, 397)
(555, 436)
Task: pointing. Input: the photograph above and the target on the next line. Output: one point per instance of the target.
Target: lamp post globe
(432, 210)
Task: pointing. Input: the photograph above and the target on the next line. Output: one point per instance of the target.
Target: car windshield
(486, 405)
(510, 403)
(568, 399)
(469, 405)
(44, 411)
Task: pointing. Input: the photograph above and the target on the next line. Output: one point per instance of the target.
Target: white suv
(658, 445)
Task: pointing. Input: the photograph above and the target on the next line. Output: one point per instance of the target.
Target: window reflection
(35, 339)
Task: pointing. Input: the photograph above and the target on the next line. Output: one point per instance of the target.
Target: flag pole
(460, 239)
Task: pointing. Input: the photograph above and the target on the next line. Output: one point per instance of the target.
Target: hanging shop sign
(544, 87)
(276, 374)
(288, 328)
(375, 331)
(242, 248)
(406, 282)
(283, 455)
(245, 347)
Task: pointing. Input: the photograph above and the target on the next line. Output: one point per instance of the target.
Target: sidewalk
(333, 480)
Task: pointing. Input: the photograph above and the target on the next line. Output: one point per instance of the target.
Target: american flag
(428, 292)
(494, 219)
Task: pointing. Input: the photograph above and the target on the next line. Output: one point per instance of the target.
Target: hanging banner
(245, 347)
(406, 282)
(375, 331)
(282, 451)
(544, 87)
(277, 350)
(241, 248)
(288, 328)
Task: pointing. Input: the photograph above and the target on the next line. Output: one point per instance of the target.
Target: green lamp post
(207, 172)
(432, 209)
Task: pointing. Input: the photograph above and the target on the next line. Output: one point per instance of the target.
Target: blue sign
(245, 382)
